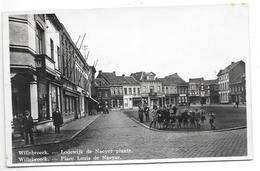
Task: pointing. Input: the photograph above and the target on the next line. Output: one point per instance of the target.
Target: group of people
(24, 122)
(172, 117)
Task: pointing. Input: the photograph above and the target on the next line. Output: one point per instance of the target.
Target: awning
(93, 100)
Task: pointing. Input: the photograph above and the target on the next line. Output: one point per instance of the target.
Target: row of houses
(47, 70)
(129, 91)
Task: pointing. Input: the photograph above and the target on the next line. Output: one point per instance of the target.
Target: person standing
(237, 103)
(57, 120)
(211, 120)
(146, 112)
(140, 114)
(27, 124)
(154, 116)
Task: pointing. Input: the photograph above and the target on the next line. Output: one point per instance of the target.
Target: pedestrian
(140, 114)
(197, 118)
(146, 112)
(211, 120)
(237, 103)
(57, 120)
(203, 117)
(27, 125)
(154, 116)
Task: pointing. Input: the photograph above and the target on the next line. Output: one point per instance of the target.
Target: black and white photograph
(127, 85)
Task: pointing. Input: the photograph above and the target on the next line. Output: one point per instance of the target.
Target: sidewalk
(67, 133)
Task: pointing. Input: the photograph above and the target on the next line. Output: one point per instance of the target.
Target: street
(115, 136)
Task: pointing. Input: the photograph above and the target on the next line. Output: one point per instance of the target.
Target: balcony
(45, 63)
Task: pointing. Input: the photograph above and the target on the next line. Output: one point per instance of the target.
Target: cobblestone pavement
(115, 131)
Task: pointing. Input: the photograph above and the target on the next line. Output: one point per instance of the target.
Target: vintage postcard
(127, 85)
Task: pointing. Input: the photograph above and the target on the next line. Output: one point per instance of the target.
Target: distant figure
(27, 124)
(203, 117)
(154, 116)
(140, 114)
(146, 112)
(57, 120)
(237, 103)
(211, 120)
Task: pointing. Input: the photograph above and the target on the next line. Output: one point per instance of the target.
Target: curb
(61, 141)
(205, 131)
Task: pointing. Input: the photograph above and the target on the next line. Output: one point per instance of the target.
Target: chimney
(100, 72)
(123, 75)
(114, 72)
(232, 63)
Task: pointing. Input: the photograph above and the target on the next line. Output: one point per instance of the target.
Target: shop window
(43, 101)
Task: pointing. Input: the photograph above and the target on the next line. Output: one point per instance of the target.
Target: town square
(128, 89)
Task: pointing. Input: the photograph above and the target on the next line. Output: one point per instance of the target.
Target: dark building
(238, 89)
(211, 91)
(116, 88)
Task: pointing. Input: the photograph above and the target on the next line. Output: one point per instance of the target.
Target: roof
(196, 80)
(172, 80)
(137, 75)
(111, 78)
(210, 82)
(101, 82)
(142, 76)
(131, 80)
(230, 67)
(237, 79)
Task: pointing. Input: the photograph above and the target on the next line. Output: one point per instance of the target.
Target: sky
(194, 41)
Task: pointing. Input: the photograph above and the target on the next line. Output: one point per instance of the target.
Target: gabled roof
(111, 78)
(137, 75)
(142, 76)
(172, 80)
(101, 82)
(230, 67)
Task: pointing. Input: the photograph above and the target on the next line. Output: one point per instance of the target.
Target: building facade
(238, 89)
(115, 84)
(44, 63)
(226, 76)
(196, 90)
(211, 91)
(131, 92)
(151, 88)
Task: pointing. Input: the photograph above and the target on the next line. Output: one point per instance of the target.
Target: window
(59, 60)
(125, 90)
(144, 88)
(112, 90)
(134, 91)
(39, 40)
(159, 88)
(52, 49)
(151, 89)
(130, 90)
(138, 90)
